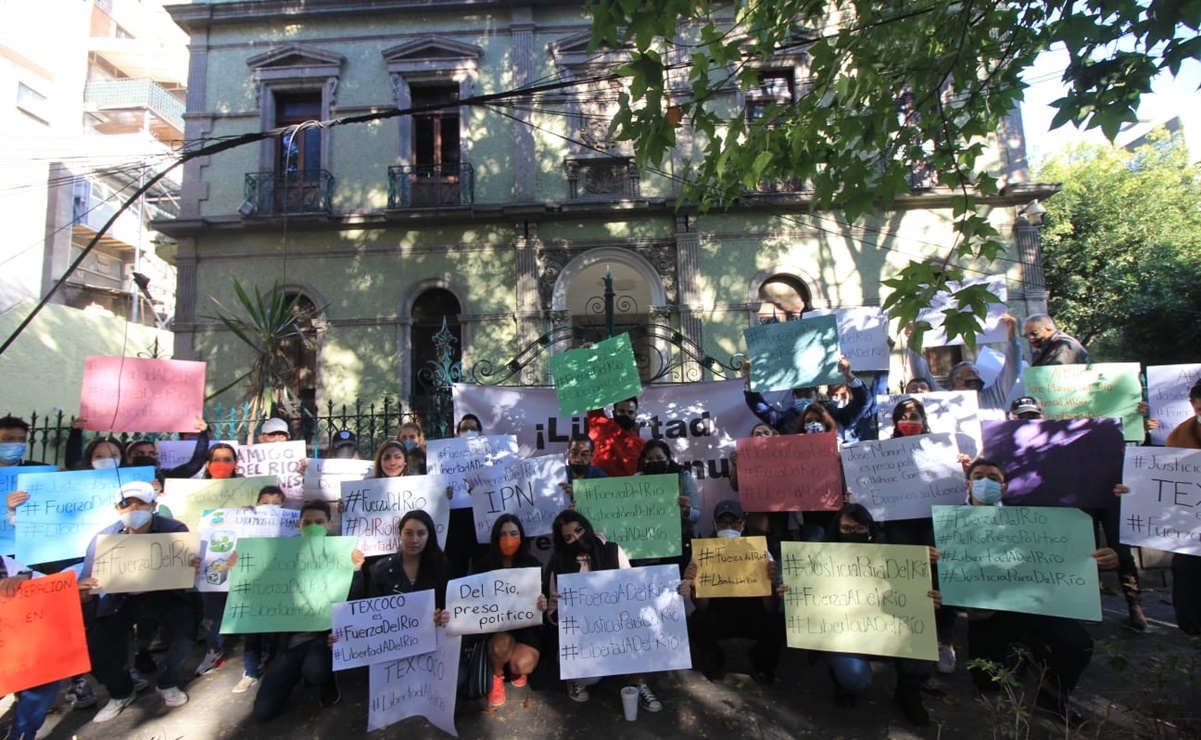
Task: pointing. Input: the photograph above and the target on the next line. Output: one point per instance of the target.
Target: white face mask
(726, 533)
(136, 519)
(269, 507)
(468, 433)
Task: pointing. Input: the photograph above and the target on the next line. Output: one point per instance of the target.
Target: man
(615, 441)
(345, 446)
(579, 464)
(275, 429)
(1050, 346)
(1025, 407)
(1186, 569)
(14, 442)
(785, 422)
(116, 615)
(964, 377)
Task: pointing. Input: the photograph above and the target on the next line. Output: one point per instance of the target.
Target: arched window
(301, 354)
(783, 297)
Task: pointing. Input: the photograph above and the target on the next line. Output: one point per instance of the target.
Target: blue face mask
(12, 452)
(410, 445)
(814, 427)
(986, 491)
(801, 404)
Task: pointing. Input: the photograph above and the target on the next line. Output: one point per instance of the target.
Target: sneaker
(946, 658)
(577, 691)
(213, 660)
(81, 696)
(520, 681)
(647, 699)
(113, 708)
(244, 684)
(173, 697)
(330, 694)
(496, 697)
(139, 684)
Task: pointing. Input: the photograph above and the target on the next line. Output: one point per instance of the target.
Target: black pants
(1186, 592)
(1110, 519)
(1062, 646)
(311, 660)
(108, 639)
(737, 617)
(921, 532)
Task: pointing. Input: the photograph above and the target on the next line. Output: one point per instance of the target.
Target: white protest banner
(496, 601)
(1167, 397)
(175, 452)
(323, 476)
(989, 363)
(862, 335)
(383, 629)
(528, 489)
(465, 458)
(994, 330)
(948, 412)
(421, 686)
(1163, 508)
(189, 498)
(372, 508)
(219, 532)
(626, 621)
(699, 421)
(145, 562)
(902, 478)
(280, 459)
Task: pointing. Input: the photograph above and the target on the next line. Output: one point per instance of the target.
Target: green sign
(189, 498)
(641, 513)
(1104, 391)
(286, 584)
(595, 377)
(794, 354)
(1030, 559)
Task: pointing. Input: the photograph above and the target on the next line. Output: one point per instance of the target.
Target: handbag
(475, 673)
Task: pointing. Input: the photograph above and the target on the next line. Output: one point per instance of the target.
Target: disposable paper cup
(629, 702)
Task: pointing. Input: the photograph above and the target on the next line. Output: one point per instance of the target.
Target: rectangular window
(299, 151)
(776, 87)
(436, 179)
(32, 102)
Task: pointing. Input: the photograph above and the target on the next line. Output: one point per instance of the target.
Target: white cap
(275, 425)
(140, 490)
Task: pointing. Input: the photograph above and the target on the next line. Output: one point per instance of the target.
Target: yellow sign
(145, 562)
(731, 566)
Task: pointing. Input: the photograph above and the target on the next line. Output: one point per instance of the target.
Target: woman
(811, 526)
(469, 426)
(221, 462)
(411, 435)
(579, 549)
(390, 459)
(518, 650)
(102, 453)
(656, 459)
(909, 419)
(418, 565)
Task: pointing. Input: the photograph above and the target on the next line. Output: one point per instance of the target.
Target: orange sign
(41, 634)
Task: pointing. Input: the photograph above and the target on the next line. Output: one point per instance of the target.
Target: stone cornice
(197, 16)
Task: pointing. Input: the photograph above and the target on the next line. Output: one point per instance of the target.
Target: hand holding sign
(792, 354)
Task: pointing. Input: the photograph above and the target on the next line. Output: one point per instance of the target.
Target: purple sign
(1058, 462)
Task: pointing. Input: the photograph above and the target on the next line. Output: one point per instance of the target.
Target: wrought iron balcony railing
(431, 186)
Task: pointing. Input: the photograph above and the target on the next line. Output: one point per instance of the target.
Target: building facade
(501, 217)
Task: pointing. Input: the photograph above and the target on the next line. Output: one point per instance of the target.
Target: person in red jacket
(616, 440)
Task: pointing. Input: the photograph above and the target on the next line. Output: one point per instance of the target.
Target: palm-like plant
(269, 323)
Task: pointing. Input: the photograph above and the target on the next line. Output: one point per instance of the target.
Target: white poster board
(902, 478)
(372, 508)
(496, 601)
(421, 686)
(1163, 508)
(947, 412)
(1167, 397)
(383, 629)
(219, 532)
(862, 335)
(323, 476)
(464, 458)
(528, 489)
(279, 459)
(994, 330)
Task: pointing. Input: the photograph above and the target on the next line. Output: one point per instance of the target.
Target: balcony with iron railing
(141, 94)
(274, 193)
(431, 186)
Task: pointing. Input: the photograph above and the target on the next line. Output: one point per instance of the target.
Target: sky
(1169, 97)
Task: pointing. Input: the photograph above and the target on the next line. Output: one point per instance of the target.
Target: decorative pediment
(429, 48)
(573, 51)
(294, 56)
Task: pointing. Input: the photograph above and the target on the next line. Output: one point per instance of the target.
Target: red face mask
(909, 428)
(222, 469)
(509, 546)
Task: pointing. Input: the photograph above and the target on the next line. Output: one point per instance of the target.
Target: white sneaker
(113, 708)
(246, 683)
(576, 691)
(173, 697)
(647, 699)
(946, 658)
(213, 659)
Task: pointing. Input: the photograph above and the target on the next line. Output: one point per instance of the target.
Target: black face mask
(625, 422)
(581, 546)
(143, 461)
(860, 537)
(578, 468)
(975, 384)
(657, 467)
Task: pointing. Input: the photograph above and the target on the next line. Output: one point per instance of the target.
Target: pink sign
(793, 472)
(129, 394)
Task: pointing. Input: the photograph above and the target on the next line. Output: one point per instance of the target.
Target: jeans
(32, 706)
(108, 640)
(854, 672)
(213, 609)
(311, 660)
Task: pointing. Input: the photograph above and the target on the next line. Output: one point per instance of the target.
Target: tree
(1122, 250)
(890, 85)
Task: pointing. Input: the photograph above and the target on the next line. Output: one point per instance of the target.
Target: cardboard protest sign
(466, 459)
(43, 638)
(145, 562)
(278, 459)
(1167, 397)
(640, 513)
(189, 498)
(175, 452)
(8, 484)
(220, 530)
(286, 584)
(791, 472)
(1057, 462)
(1102, 391)
(592, 378)
(130, 394)
(731, 566)
(792, 354)
(383, 629)
(65, 510)
(614, 622)
(859, 598)
(1162, 508)
(994, 330)
(424, 685)
(372, 508)
(323, 477)
(947, 412)
(862, 335)
(496, 601)
(528, 489)
(902, 478)
(1030, 559)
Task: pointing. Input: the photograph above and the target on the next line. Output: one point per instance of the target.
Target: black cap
(344, 438)
(1025, 405)
(728, 506)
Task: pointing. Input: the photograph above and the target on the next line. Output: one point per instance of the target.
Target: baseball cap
(1025, 405)
(728, 506)
(140, 490)
(275, 425)
(344, 438)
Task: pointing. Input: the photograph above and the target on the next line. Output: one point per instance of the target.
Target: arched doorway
(431, 309)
